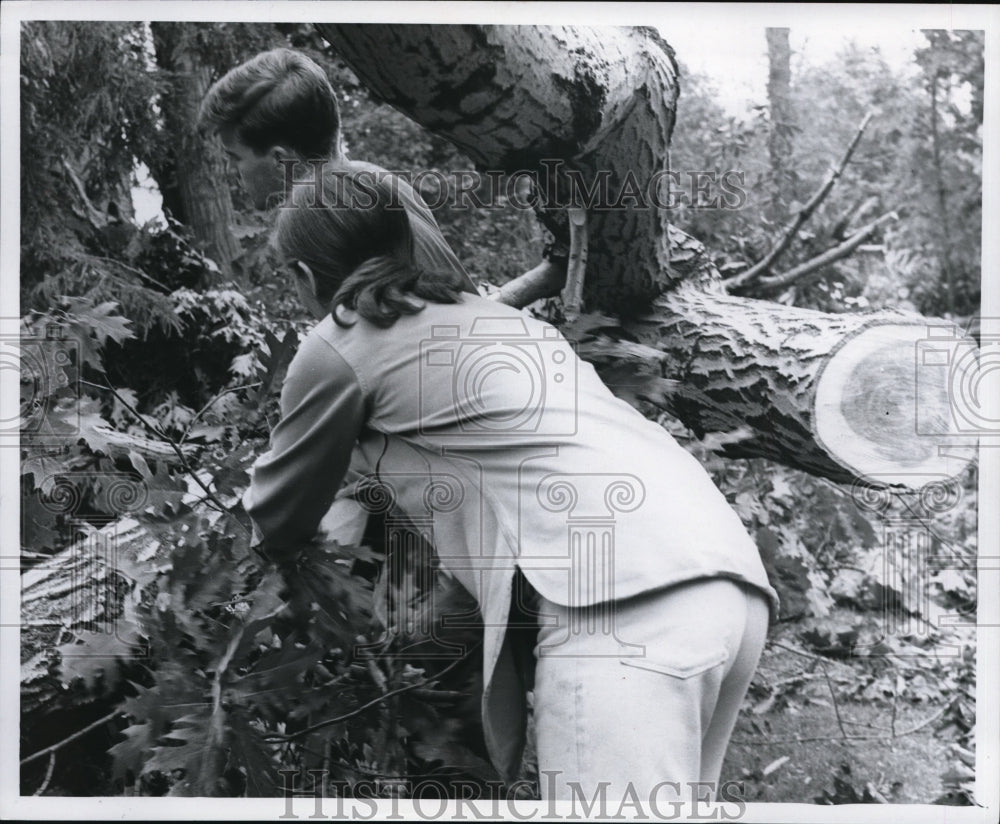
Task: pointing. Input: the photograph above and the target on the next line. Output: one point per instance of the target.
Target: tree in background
(233, 685)
(781, 116)
(950, 167)
(86, 120)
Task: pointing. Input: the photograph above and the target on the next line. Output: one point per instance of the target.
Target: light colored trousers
(644, 690)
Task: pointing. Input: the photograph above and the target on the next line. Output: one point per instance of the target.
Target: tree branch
(908, 731)
(575, 270)
(71, 738)
(93, 213)
(48, 775)
(177, 450)
(368, 705)
(544, 281)
(829, 256)
(764, 265)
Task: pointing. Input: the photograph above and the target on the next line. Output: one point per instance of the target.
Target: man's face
(262, 175)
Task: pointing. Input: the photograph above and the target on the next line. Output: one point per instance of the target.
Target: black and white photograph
(499, 411)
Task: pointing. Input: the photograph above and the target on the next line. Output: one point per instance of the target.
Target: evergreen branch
(133, 269)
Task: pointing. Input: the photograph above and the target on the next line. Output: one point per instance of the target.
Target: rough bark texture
(600, 101)
(603, 100)
(779, 138)
(76, 592)
(200, 181)
(759, 365)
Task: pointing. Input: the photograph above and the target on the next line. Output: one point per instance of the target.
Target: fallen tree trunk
(843, 411)
(601, 102)
(74, 593)
(587, 111)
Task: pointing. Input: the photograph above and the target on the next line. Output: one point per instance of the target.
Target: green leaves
(322, 589)
(93, 657)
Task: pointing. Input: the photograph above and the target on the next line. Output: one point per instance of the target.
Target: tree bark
(199, 188)
(602, 101)
(597, 103)
(843, 412)
(947, 269)
(76, 592)
(779, 138)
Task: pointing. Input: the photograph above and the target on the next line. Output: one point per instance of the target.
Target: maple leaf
(129, 756)
(163, 490)
(321, 585)
(196, 751)
(99, 321)
(93, 429)
(252, 756)
(276, 670)
(43, 470)
(93, 656)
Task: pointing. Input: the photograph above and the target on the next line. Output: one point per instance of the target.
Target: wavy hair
(277, 98)
(359, 245)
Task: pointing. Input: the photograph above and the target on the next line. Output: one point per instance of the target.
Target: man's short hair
(278, 98)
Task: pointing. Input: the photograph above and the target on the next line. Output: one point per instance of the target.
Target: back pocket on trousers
(686, 664)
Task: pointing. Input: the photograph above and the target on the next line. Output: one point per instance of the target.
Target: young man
(277, 117)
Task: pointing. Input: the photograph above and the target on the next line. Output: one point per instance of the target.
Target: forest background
(158, 350)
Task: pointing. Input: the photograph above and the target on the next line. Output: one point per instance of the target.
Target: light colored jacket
(485, 427)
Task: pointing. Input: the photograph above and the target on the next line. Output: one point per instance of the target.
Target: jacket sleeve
(294, 484)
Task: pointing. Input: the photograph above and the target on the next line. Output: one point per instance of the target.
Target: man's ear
(282, 154)
(304, 275)
(305, 282)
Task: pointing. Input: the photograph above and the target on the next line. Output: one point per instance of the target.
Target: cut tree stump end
(899, 404)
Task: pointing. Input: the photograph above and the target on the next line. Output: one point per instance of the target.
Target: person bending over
(651, 600)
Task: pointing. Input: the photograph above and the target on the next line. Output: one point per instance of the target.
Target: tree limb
(71, 738)
(764, 265)
(368, 705)
(544, 281)
(93, 213)
(573, 293)
(829, 256)
(756, 742)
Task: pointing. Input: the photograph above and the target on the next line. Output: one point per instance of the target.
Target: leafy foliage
(227, 671)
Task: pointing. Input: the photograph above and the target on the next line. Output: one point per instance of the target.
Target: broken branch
(764, 265)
